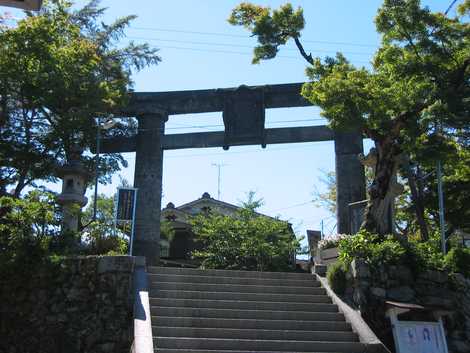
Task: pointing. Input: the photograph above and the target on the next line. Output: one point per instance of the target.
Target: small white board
(419, 337)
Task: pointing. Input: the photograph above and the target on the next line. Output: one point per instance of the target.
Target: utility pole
(441, 207)
(440, 193)
(99, 127)
(219, 166)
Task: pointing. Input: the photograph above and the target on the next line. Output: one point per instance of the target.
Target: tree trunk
(379, 212)
(417, 201)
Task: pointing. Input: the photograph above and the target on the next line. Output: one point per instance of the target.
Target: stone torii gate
(244, 118)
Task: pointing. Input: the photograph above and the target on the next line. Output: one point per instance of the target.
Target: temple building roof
(182, 214)
(33, 5)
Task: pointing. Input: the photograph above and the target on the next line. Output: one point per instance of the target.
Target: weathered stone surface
(459, 346)
(402, 273)
(320, 269)
(115, 264)
(148, 181)
(437, 302)
(435, 276)
(360, 269)
(350, 177)
(378, 292)
(402, 294)
(448, 294)
(359, 296)
(80, 305)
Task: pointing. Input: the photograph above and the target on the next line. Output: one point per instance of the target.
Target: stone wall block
(378, 292)
(383, 274)
(359, 297)
(360, 269)
(402, 274)
(434, 276)
(402, 294)
(393, 283)
(371, 287)
(69, 307)
(115, 264)
(437, 302)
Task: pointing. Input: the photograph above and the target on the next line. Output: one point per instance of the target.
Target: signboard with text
(125, 204)
(125, 210)
(419, 337)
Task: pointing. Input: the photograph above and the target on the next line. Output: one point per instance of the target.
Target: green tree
(326, 199)
(28, 227)
(417, 89)
(101, 237)
(246, 241)
(60, 70)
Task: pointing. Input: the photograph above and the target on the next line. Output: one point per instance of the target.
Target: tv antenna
(218, 166)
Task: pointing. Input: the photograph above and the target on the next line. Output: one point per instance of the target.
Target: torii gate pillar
(148, 179)
(350, 177)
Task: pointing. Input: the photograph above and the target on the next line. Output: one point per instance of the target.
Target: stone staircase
(209, 311)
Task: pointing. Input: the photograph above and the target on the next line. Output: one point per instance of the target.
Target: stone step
(247, 305)
(283, 335)
(269, 324)
(235, 288)
(168, 350)
(158, 277)
(257, 345)
(245, 314)
(261, 297)
(229, 273)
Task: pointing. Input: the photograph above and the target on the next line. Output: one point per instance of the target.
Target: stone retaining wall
(81, 304)
(370, 287)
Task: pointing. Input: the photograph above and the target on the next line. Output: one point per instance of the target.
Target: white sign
(419, 337)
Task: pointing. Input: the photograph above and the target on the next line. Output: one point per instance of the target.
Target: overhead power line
(293, 206)
(240, 45)
(153, 29)
(319, 143)
(240, 53)
(450, 6)
(183, 126)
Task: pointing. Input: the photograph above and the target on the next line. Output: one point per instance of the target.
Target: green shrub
(427, 255)
(26, 228)
(248, 241)
(336, 276)
(371, 249)
(99, 239)
(458, 260)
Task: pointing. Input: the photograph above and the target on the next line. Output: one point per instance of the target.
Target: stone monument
(72, 198)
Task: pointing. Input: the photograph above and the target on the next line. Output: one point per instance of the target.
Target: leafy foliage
(420, 256)
(426, 255)
(99, 236)
(273, 28)
(417, 89)
(371, 249)
(58, 71)
(458, 260)
(248, 241)
(336, 276)
(326, 199)
(27, 228)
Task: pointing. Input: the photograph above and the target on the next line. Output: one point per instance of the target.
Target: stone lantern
(72, 198)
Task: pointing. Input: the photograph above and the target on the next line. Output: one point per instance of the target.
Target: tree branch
(306, 56)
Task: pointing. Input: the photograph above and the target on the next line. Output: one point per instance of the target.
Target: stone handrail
(366, 335)
(143, 341)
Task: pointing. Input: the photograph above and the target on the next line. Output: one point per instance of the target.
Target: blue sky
(199, 50)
